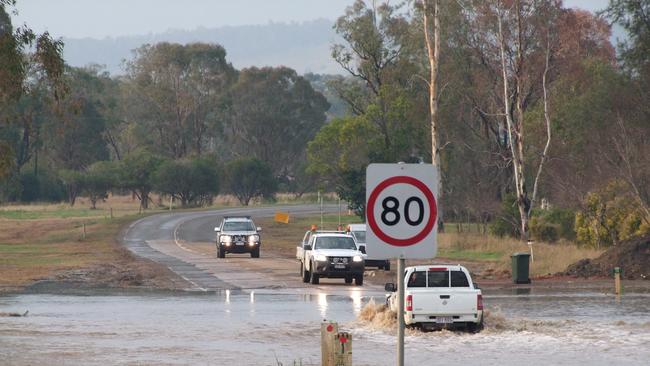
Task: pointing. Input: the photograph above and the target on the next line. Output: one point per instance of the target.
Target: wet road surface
(184, 242)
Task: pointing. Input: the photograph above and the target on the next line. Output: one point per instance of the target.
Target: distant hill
(304, 47)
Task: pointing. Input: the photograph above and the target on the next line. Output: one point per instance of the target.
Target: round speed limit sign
(401, 210)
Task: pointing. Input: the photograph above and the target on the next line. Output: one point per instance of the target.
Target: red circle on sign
(417, 237)
(330, 328)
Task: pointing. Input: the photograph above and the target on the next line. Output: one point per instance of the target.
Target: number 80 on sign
(401, 210)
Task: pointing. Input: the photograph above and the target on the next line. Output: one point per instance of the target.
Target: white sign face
(401, 211)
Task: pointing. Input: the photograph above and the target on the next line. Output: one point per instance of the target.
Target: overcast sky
(104, 18)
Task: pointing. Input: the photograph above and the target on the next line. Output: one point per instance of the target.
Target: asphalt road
(184, 242)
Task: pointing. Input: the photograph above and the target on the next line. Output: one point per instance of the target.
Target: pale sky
(112, 18)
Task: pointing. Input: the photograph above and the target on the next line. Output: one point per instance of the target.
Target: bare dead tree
(628, 168)
(547, 120)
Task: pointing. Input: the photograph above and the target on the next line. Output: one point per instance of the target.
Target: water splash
(377, 317)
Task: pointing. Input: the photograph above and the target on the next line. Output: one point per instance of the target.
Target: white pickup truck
(439, 296)
(330, 254)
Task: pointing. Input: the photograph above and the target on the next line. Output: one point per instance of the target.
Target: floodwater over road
(269, 328)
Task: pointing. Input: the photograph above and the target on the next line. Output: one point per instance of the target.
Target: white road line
(176, 237)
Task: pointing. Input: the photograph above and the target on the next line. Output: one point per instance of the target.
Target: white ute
(331, 255)
(439, 296)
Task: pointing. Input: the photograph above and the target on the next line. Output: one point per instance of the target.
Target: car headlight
(357, 258)
(226, 239)
(253, 239)
(320, 258)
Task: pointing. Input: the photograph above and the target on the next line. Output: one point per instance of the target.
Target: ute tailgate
(444, 301)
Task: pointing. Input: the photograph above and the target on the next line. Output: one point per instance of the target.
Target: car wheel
(221, 253)
(255, 253)
(305, 273)
(348, 279)
(313, 278)
(387, 266)
(474, 327)
(358, 280)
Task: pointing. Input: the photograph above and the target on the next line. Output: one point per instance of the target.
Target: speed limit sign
(401, 211)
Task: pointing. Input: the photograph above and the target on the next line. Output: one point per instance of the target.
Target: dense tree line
(182, 122)
(539, 126)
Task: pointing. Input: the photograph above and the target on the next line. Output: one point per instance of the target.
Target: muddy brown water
(266, 328)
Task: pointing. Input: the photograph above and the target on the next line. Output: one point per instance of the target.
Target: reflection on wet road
(264, 328)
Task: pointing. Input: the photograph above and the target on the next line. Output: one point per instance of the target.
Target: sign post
(400, 312)
(401, 215)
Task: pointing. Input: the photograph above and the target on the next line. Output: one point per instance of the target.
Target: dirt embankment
(127, 271)
(633, 256)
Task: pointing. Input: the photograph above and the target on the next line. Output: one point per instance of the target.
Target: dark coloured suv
(238, 235)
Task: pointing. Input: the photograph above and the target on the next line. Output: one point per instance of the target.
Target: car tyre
(474, 327)
(221, 253)
(305, 273)
(387, 266)
(313, 278)
(255, 253)
(348, 280)
(358, 280)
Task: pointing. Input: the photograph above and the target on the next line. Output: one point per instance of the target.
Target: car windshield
(335, 242)
(360, 236)
(238, 226)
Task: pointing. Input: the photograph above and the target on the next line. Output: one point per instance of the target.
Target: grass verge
(49, 243)
(485, 254)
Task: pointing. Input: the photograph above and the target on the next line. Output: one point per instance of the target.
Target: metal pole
(339, 227)
(400, 311)
(320, 196)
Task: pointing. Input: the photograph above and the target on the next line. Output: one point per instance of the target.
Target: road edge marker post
(328, 332)
(617, 281)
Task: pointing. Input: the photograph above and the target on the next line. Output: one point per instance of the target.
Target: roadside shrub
(97, 181)
(565, 220)
(31, 187)
(42, 187)
(507, 222)
(610, 215)
(552, 224)
(542, 230)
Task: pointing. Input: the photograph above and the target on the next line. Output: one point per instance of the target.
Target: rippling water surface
(551, 328)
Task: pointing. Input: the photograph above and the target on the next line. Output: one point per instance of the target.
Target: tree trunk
(433, 55)
(144, 199)
(515, 128)
(72, 194)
